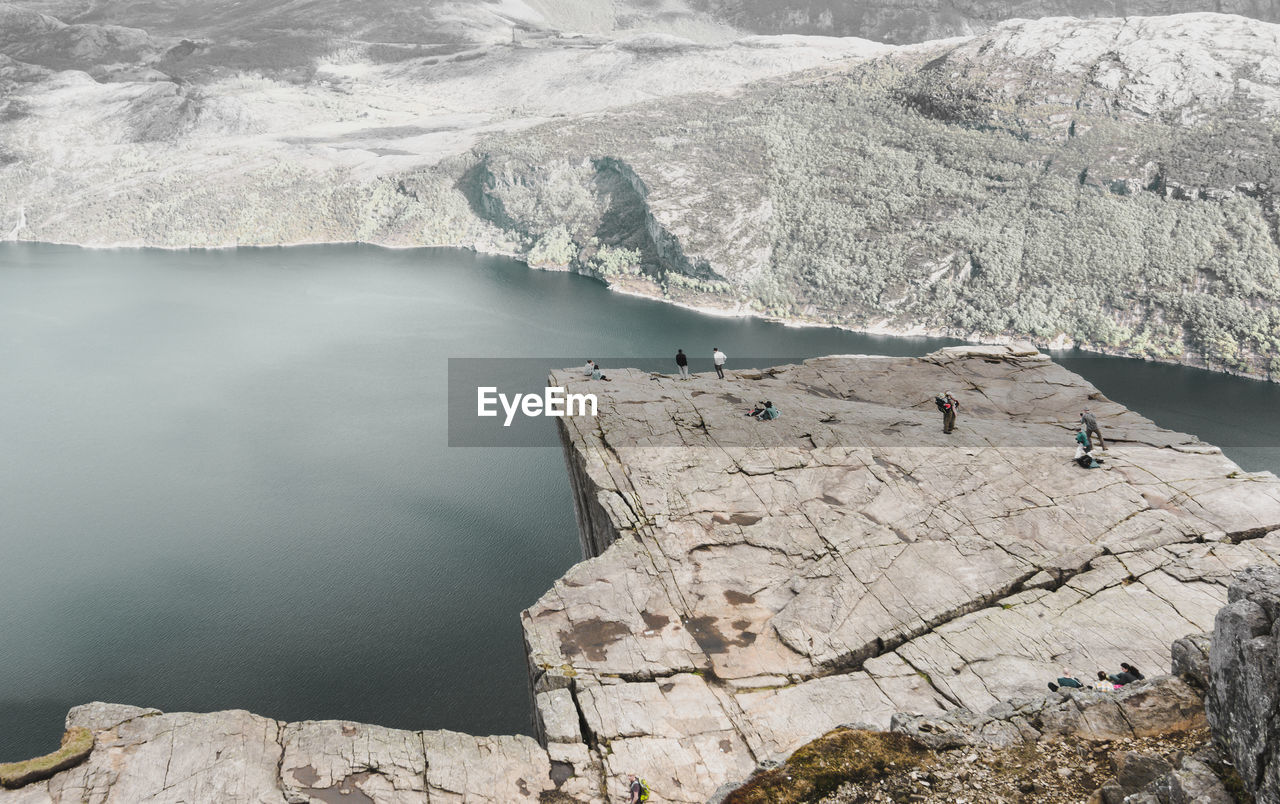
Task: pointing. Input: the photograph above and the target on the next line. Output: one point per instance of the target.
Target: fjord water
(226, 480)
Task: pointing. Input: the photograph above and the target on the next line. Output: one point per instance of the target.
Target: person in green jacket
(769, 412)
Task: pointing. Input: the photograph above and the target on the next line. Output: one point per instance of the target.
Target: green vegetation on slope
(820, 767)
(77, 743)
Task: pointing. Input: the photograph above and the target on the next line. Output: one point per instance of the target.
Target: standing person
(682, 360)
(1089, 424)
(718, 357)
(948, 405)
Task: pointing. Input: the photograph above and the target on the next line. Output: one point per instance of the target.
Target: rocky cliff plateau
(751, 586)
(1109, 183)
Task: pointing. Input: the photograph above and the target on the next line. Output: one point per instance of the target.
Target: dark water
(225, 479)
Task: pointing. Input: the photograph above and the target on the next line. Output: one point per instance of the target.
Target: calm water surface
(225, 479)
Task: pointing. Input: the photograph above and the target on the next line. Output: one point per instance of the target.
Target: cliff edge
(752, 586)
(760, 583)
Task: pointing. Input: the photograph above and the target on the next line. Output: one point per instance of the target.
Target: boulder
(1190, 659)
(1243, 703)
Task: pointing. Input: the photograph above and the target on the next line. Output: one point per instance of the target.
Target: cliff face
(1243, 704)
(750, 586)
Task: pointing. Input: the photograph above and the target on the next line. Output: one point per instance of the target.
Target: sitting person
(590, 367)
(1103, 683)
(1066, 681)
(769, 412)
(597, 374)
(1084, 456)
(1127, 675)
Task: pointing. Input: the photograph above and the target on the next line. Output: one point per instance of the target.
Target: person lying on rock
(1066, 681)
(769, 413)
(1103, 683)
(1127, 675)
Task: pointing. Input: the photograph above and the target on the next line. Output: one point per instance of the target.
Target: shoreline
(1063, 348)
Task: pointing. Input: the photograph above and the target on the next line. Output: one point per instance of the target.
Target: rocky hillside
(1109, 183)
(324, 23)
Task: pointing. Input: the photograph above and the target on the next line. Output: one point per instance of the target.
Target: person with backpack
(682, 361)
(948, 405)
(637, 790)
(718, 357)
(768, 413)
(1089, 424)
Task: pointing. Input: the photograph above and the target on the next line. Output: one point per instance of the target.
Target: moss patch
(77, 743)
(844, 755)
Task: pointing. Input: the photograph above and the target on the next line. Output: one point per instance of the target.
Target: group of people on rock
(718, 359)
(1106, 681)
(1085, 456)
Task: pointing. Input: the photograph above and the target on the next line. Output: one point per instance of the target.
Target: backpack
(942, 403)
(644, 790)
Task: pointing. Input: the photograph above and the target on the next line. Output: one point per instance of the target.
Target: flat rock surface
(226, 757)
(768, 581)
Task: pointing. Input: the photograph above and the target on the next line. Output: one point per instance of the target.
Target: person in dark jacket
(682, 361)
(1127, 675)
(948, 405)
(1066, 681)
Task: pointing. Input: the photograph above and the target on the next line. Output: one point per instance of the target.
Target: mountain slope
(1110, 183)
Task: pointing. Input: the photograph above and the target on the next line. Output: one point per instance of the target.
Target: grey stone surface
(1156, 706)
(1190, 658)
(1135, 771)
(236, 757)
(1243, 704)
(98, 716)
(849, 561)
